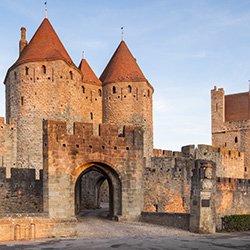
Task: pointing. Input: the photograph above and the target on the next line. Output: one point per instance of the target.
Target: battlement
(217, 90)
(234, 184)
(166, 153)
(202, 151)
(22, 192)
(223, 152)
(108, 136)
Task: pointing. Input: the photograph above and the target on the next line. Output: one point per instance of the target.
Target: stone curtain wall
(21, 193)
(7, 145)
(167, 184)
(229, 163)
(167, 181)
(232, 197)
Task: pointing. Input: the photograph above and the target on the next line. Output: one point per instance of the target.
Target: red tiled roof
(122, 67)
(44, 45)
(88, 74)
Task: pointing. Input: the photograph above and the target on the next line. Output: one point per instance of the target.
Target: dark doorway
(98, 192)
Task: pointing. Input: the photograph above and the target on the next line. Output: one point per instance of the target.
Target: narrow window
(99, 130)
(71, 75)
(91, 115)
(216, 107)
(44, 69)
(114, 89)
(156, 207)
(83, 90)
(148, 93)
(22, 100)
(99, 92)
(225, 144)
(15, 76)
(236, 139)
(129, 89)
(26, 71)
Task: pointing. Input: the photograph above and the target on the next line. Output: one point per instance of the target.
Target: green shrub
(236, 222)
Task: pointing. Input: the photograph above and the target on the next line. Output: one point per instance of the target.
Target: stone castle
(72, 140)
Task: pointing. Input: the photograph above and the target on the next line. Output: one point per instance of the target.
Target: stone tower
(230, 123)
(44, 83)
(127, 95)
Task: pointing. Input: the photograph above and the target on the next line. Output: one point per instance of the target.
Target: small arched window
(236, 139)
(99, 92)
(148, 93)
(129, 89)
(71, 75)
(91, 116)
(44, 69)
(26, 71)
(83, 89)
(114, 89)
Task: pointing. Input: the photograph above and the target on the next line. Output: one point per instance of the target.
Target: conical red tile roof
(122, 67)
(44, 45)
(88, 74)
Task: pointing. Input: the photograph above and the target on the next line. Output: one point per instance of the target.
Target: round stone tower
(127, 95)
(44, 83)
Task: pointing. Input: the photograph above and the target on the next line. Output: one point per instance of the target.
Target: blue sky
(184, 48)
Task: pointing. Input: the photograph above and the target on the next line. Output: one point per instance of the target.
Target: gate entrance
(98, 192)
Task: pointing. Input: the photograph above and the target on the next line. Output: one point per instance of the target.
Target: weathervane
(83, 54)
(46, 9)
(122, 34)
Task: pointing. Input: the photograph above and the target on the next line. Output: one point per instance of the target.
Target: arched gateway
(116, 157)
(88, 189)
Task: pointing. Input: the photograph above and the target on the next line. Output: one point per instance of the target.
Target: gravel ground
(100, 233)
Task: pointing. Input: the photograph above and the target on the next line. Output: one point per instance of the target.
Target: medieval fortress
(72, 140)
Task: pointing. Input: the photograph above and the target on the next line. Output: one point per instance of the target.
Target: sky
(184, 48)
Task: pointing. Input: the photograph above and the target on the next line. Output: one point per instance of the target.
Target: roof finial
(122, 34)
(83, 54)
(46, 9)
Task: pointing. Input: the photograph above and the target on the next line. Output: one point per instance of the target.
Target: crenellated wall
(230, 163)
(232, 197)
(167, 183)
(21, 193)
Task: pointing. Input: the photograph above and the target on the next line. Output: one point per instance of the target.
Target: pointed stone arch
(115, 186)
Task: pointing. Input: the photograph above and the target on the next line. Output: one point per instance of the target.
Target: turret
(42, 84)
(23, 42)
(92, 95)
(217, 109)
(127, 95)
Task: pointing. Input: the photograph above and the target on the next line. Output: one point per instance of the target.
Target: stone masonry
(72, 140)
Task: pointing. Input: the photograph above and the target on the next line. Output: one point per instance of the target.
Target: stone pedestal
(202, 219)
